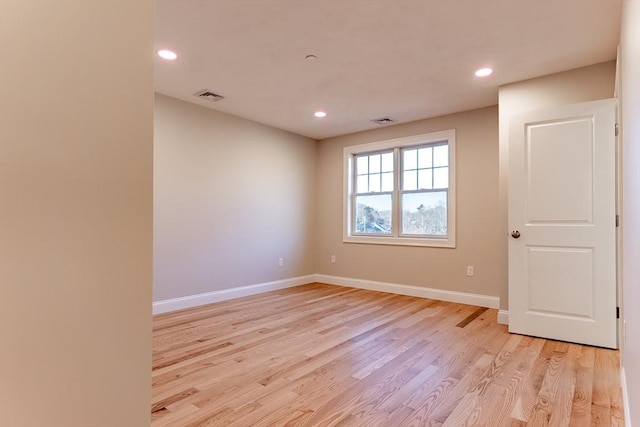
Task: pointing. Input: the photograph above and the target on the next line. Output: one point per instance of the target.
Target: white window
(401, 191)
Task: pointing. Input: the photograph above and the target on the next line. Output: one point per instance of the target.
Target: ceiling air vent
(383, 121)
(208, 95)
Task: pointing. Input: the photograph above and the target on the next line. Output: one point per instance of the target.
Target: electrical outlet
(280, 262)
(333, 259)
(470, 270)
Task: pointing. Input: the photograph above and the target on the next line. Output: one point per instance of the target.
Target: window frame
(397, 238)
(392, 193)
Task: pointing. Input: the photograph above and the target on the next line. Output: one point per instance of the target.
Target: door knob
(515, 234)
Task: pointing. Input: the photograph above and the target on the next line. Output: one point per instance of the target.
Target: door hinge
(616, 129)
(617, 220)
(617, 312)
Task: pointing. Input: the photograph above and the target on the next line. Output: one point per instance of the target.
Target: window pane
(373, 214)
(387, 162)
(374, 183)
(362, 165)
(362, 185)
(441, 155)
(425, 177)
(374, 163)
(387, 181)
(425, 213)
(410, 181)
(425, 158)
(410, 159)
(441, 178)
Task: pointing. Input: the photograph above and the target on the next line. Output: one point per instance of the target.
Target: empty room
(318, 213)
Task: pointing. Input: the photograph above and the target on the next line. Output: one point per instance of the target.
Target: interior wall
(477, 231)
(580, 85)
(231, 197)
(630, 218)
(76, 156)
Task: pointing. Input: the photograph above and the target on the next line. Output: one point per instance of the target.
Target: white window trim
(349, 152)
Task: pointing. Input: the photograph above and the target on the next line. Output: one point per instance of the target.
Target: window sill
(401, 241)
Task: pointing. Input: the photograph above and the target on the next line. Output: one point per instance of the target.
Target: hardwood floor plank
(373, 386)
(472, 404)
(564, 397)
(527, 399)
(613, 369)
(581, 409)
(436, 400)
(480, 344)
(323, 355)
(512, 381)
(471, 317)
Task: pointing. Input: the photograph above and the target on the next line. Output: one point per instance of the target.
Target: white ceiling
(407, 59)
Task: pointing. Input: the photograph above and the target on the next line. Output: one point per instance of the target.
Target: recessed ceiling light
(167, 54)
(320, 114)
(484, 72)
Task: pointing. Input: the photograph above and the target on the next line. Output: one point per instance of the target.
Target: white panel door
(562, 249)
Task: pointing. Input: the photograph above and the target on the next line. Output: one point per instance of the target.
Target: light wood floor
(320, 355)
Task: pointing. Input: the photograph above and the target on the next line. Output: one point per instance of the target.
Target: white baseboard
(503, 317)
(414, 291)
(625, 398)
(189, 301)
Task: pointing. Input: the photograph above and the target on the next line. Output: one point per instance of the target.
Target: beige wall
(76, 105)
(231, 196)
(477, 210)
(579, 85)
(630, 137)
